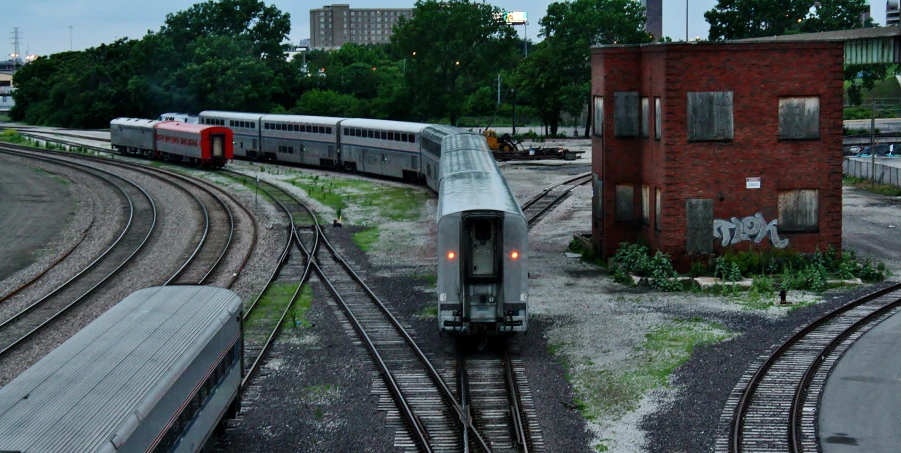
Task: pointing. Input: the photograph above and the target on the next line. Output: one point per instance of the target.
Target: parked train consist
(482, 233)
(174, 141)
(158, 372)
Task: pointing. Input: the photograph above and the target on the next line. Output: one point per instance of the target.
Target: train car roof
(194, 128)
(230, 115)
(93, 386)
(142, 122)
(457, 160)
(307, 119)
(387, 125)
(475, 191)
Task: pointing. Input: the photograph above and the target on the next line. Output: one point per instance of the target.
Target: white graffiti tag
(741, 230)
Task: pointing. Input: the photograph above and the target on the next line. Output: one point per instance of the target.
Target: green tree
(557, 75)
(451, 49)
(329, 103)
(737, 19)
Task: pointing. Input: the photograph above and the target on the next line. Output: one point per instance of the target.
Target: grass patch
(11, 136)
(612, 393)
(365, 239)
(430, 311)
(296, 319)
(872, 186)
(270, 307)
(393, 203)
(431, 280)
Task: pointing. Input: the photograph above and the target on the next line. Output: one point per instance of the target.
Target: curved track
(536, 207)
(211, 248)
(775, 408)
(18, 328)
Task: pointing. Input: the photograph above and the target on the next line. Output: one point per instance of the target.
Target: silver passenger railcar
(245, 130)
(180, 117)
(382, 147)
(432, 139)
(299, 139)
(158, 372)
(133, 136)
(483, 244)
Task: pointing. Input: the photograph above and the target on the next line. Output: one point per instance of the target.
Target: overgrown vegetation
(872, 186)
(272, 304)
(770, 269)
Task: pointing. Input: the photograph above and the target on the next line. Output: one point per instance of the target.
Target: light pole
(686, 20)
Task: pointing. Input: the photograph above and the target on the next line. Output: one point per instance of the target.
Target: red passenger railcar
(201, 144)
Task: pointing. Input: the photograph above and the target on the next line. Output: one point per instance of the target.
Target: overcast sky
(44, 25)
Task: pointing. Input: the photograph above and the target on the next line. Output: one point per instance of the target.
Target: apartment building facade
(334, 25)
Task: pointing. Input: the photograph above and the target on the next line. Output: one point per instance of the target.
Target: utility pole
(686, 20)
(873, 139)
(498, 88)
(525, 38)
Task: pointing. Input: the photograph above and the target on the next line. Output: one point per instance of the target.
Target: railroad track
(292, 270)
(213, 244)
(142, 217)
(491, 389)
(775, 408)
(538, 206)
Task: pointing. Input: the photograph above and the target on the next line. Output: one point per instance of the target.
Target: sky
(50, 26)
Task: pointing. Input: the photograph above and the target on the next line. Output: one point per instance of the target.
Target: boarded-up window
(599, 116)
(644, 117)
(658, 119)
(598, 197)
(645, 204)
(799, 118)
(625, 114)
(799, 210)
(657, 211)
(625, 202)
(710, 115)
(699, 231)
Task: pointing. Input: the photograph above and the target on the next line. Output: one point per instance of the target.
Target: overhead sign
(516, 17)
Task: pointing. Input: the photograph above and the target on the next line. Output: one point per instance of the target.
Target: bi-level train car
(203, 145)
(158, 372)
(482, 243)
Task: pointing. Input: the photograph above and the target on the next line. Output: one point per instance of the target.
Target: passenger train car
(158, 372)
(207, 146)
(482, 243)
(483, 287)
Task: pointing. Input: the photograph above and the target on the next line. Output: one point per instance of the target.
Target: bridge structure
(862, 45)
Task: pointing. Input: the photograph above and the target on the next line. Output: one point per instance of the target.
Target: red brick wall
(758, 74)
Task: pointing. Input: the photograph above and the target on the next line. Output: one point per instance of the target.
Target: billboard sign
(516, 17)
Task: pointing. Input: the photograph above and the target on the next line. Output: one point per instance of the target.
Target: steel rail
(519, 430)
(757, 378)
(445, 391)
(102, 280)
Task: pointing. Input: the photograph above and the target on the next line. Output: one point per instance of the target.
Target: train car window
(328, 130)
(391, 136)
(345, 131)
(384, 135)
(253, 125)
(481, 230)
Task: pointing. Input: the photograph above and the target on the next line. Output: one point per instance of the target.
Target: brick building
(707, 146)
(334, 25)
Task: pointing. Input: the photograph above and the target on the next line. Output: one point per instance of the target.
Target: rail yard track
(774, 408)
(493, 393)
(538, 206)
(142, 217)
(212, 245)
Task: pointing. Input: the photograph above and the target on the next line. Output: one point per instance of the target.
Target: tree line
(440, 65)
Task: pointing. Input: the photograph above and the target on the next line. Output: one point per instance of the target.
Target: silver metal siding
(79, 394)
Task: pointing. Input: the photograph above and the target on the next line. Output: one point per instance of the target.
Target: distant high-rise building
(892, 12)
(334, 25)
(654, 25)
